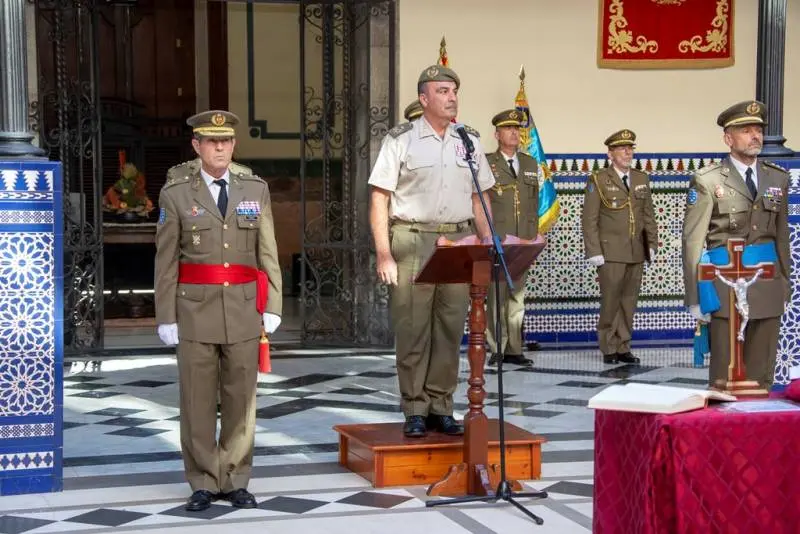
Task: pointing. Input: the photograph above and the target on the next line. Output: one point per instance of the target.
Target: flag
(443, 54)
(531, 143)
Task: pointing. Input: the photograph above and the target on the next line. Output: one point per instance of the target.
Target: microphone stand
(504, 490)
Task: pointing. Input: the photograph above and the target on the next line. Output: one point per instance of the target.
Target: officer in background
(422, 188)
(515, 211)
(743, 197)
(619, 233)
(413, 111)
(217, 281)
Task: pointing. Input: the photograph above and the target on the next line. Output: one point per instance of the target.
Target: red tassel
(264, 363)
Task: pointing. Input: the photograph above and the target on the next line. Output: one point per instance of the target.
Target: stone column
(15, 137)
(769, 73)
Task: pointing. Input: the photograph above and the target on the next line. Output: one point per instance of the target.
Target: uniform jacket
(608, 208)
(515, 201)
(191, 230)
(719, 206)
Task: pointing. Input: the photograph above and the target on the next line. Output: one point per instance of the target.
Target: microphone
(462, 133)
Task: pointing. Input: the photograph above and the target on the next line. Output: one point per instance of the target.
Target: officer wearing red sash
(217, 282)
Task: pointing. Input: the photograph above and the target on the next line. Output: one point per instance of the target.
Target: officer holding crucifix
(740, 197)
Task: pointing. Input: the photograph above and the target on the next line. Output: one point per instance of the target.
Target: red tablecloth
(703, 472)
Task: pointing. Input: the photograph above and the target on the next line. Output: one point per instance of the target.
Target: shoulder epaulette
(179, 174)
(238, 168)
(400, 129)
(774, 166)
(707, 168)
(472, 131)
(523, 155)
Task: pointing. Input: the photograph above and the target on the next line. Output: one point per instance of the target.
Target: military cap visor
(509, 117)
(214, 123)
(438, 73)
(621, 138)
(743, 114)
(413, 110)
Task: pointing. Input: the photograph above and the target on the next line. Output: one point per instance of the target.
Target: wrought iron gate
(67, 119)
(347, 61)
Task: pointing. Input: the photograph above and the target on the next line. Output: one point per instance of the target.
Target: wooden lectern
(470, 261)
(737, 383)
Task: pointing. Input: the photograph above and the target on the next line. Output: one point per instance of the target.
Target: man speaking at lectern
(422, 188)
(740, 197)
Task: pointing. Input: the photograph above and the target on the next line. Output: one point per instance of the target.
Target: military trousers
(760, 350)
(428, 321)
(512, 314)
(203, 370)
(619, 291)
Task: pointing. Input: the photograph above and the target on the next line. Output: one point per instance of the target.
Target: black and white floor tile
(123, 468)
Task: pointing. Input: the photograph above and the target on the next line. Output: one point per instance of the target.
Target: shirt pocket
(734, 213)
(196, 234)
(247, 230)
(530, 184)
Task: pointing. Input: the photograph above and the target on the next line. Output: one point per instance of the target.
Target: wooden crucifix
(737, 277)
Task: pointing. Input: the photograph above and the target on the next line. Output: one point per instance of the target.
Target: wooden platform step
(384, 456)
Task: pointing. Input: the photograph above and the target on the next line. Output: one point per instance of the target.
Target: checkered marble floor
(123, 468)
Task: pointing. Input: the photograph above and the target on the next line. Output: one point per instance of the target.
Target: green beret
(213, 123)
(509, 117)
(438, 73)
(743, 113)
(621, 138)
(413, 110)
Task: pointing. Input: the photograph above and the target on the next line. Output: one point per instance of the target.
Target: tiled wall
(562, 301)
(31, 315)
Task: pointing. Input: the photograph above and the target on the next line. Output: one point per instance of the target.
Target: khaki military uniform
(720, 207)
(218, 324)
(619, 225)
(431, 195)
(515, 211)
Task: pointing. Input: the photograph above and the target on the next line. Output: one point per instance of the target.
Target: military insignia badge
(162, 215)
(753, 108)
(196, 240)
(195, 211)
(591, 187)
(218, 119)
(691, 197)
(719, 192)
(249, 209)
(433, 72)
(461, 151)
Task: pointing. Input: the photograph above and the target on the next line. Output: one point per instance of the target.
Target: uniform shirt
(429, 176)
(215, 189)
(514, 161)
(742, 168)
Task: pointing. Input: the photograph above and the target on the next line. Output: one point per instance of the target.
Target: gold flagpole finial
(443, 61)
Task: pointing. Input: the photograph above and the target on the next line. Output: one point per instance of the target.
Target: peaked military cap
(621, 138)
(413, 110)
(213, 123)
(438, 73)
(743, 113)
(509, 117)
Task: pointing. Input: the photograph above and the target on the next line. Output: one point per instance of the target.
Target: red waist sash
(195, 273)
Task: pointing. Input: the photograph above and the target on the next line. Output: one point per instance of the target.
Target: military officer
(217, 282)
(619, 233)
(422, 188)
(515, 211)
(745, 197)
(413, 111)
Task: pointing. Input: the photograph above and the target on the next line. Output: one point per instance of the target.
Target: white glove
(652, 254)
(596, 261)
(271, 322)
(695, 311)
(168, 333)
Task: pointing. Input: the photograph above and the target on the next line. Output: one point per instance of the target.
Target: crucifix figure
(738, 277)
(740, 290)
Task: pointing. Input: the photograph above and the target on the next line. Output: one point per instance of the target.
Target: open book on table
(652, 398)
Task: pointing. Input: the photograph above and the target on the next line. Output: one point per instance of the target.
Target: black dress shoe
(199, 501)
(610, 358)
(446, 424)
(627, 357)
(414, 427)
(517, 359)
(493, 360)
(533, 345)
(240, 498)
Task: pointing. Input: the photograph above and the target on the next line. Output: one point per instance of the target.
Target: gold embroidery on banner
(716, 38)
(669, 2)
(620, 41)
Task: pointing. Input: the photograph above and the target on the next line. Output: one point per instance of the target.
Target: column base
(18, 145)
